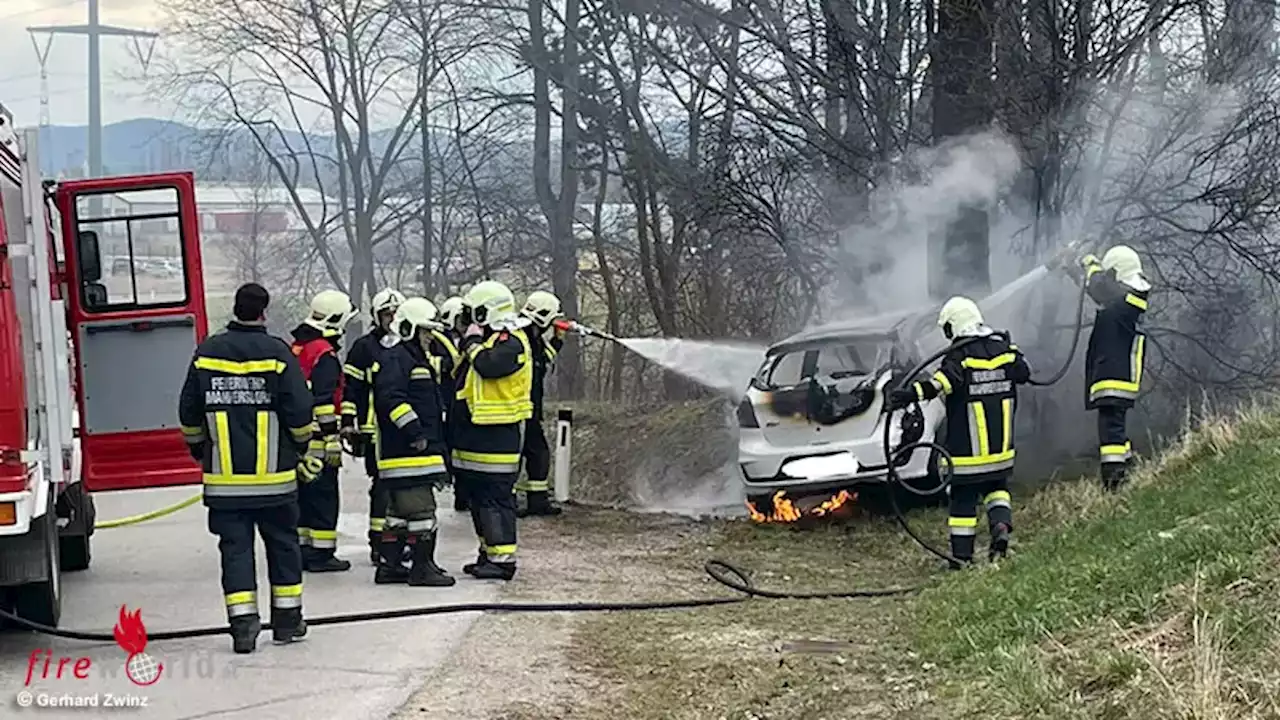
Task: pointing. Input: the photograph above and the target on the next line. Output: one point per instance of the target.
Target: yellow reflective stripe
(490, 458)
(1122, 385)
(416, 461)
(286, 590)
(322, 410)
(501, 549)
(348, 407)
(992, 364)
(354, 371)
(1091, 269)
(961, 461)
(421, 373)
(260, 464)
(943, 383)
(231, 367)
(192, 430)
(276, 478)
(224, 441)
(1136, 301)
(980, 429)
(377, 524)
(1006, 423)
(246, 597)
(301, 433)
(324, 534)
(919, 390)
(400, 411)
(449, 347)
(996, 496)
(962, 522)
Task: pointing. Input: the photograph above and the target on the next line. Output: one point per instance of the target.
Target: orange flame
(786, 511)
(130, 633)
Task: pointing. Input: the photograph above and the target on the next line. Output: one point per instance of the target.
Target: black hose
(719, 570)
(1075, 344)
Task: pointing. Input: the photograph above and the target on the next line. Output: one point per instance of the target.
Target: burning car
(811, 424)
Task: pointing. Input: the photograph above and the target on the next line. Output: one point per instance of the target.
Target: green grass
(1160, 602)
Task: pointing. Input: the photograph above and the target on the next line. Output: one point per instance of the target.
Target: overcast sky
(122, 98)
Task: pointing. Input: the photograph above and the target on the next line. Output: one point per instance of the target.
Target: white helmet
(451, 310)
(541, 308)
(414, 314)
(491, 303)
(1127, 266)
(386, 300)
(960, 316)
(331, 310)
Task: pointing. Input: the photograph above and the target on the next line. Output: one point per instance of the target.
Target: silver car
(812, 420)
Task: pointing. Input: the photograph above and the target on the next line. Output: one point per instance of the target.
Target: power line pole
(95, 31)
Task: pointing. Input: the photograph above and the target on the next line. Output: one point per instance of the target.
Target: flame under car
(811, 423)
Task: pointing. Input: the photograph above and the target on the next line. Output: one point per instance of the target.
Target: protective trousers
(493, 512)
(318, 517)
(537, 460)
(963, 523)
(411, 516)
(278, 527)
(1114, 448)
(377, 498)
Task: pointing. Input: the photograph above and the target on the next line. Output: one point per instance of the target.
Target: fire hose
(722, 572)
(151, 515)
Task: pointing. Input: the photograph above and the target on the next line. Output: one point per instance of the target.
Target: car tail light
(747, 414)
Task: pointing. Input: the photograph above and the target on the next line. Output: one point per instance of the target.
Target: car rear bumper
(762, 463)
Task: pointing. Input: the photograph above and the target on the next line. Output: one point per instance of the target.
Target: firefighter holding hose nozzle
(542, 309)
(1113, 363)
(978, 377)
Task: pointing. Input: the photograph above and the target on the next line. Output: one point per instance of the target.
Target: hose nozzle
(573, 326)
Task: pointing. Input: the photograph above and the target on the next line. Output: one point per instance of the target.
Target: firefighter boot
(494, 571)
(1112, 476)
(425, 572)
(391, 569)
(327, 562)
(244, 633)
(539, 504)
(287, 625)
(481, 559)
(999, 542)
(460, 503)
(375, 539)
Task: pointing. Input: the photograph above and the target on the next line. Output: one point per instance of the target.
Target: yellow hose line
(135, 519)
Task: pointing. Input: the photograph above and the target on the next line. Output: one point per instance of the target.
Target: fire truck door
(136, 311)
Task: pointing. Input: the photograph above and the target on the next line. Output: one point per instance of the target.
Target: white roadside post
(564, 448)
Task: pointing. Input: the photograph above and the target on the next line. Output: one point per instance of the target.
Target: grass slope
(1159, 602)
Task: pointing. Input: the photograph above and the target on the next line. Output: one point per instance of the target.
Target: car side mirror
(89, 261)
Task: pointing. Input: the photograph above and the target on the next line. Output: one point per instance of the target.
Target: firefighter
(245, 412)
(451, 311)
(316, 344)
(410, 446)
(358, 423)
(494, 384)
(978, 377)
(540, 309)
(451, 316)
(1113, 362)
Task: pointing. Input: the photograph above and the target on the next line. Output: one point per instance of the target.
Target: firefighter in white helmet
(358, 424)
(451, 316)
(1113, 362)
(493, 402)
(410, 445)
(542, 309)
(316, 342)
(978, 378)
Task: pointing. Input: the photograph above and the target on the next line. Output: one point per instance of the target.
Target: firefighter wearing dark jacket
(451, 313)
(541, 309)
(978, 378)
(315, 343)
(1113, 362)
(246, 415)
(410, 446)
(493, 402)
(358, 424)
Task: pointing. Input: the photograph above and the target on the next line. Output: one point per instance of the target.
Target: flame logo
(131, 636)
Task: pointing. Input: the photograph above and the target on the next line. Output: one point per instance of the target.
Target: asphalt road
(169, 569)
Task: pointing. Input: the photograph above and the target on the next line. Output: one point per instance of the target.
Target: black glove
(901, 398)
(197, 451)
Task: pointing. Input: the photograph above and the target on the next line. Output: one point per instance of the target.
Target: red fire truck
(94, 345)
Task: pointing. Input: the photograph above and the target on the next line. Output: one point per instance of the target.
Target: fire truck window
(140, 245)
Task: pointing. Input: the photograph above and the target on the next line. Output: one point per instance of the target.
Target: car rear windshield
(840, 359)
